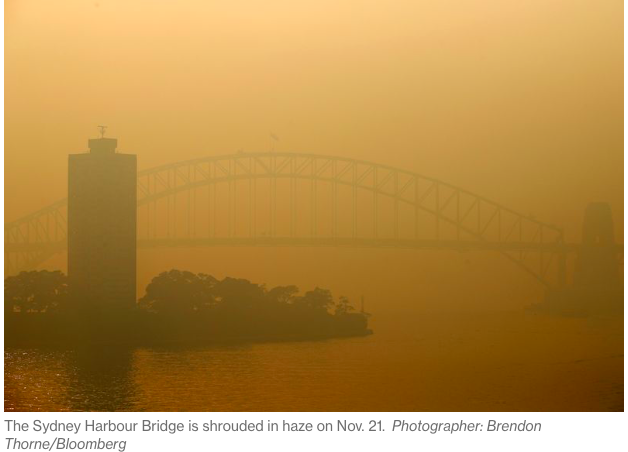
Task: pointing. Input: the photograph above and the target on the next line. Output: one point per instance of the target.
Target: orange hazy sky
(521, 102)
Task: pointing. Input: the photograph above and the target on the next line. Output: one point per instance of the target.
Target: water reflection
(508, 362)
(94, 378)
(100, 379)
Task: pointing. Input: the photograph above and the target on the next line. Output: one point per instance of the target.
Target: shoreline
(214, 341)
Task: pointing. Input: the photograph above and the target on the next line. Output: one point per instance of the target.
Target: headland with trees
(177, 307)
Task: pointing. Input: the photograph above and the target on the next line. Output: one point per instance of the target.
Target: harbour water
(508, 361)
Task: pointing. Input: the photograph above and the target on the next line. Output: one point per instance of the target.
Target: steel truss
(234, 200)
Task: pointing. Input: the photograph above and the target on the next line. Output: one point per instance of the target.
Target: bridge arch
(322, 201)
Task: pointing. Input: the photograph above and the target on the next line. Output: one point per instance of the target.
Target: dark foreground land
(178, 307)
(145, 328)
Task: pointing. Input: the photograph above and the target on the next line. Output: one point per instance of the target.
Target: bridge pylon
(596, 264)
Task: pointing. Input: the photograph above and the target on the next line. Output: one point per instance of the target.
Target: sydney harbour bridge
(291, 199)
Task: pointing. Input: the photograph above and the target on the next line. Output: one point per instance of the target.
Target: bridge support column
(597, 261)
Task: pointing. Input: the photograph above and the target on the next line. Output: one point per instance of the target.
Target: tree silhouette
(283, 294)
(343, 306)
(317, 299)
(177, 306)
(240, 293)
(35, 291)
(177, 292)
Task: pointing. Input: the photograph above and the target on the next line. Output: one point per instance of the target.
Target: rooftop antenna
(102, 131)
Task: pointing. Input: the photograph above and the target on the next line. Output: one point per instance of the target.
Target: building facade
(102, 216)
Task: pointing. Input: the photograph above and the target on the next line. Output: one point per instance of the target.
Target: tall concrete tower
(102, 205)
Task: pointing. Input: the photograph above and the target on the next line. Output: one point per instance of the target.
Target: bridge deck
(462, 245)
